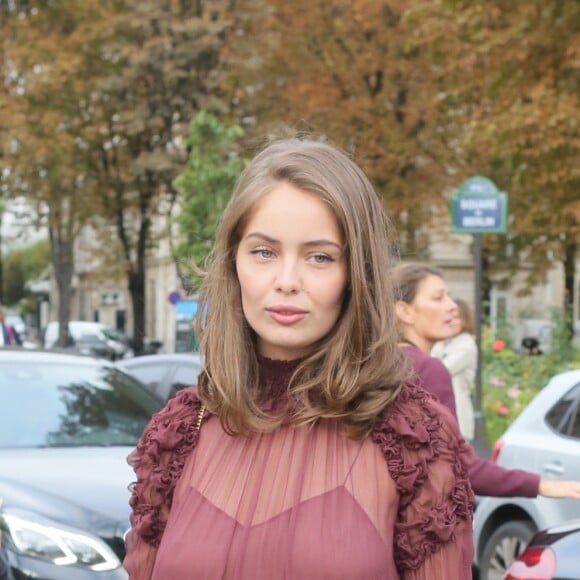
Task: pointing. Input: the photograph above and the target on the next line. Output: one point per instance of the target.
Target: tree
(105, 90)
(352, 71)
(164, 63)
(519, 112)
(51, 70)
(426, 94)
(204, 187)
(24, 264)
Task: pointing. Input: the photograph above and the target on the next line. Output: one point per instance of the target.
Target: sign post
(478, 207)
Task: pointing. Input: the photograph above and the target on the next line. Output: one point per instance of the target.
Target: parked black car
(551, 554)
(67, 424)
(164, 374)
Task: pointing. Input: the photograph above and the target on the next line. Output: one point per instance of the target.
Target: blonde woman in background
(459, 355)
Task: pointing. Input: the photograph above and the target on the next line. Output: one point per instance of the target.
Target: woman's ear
(404, 312)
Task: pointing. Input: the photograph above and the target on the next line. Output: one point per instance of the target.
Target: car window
(184, 376)
(564, 416)
(58, 405)
(149, 374)
(575, 418)
(113, 334)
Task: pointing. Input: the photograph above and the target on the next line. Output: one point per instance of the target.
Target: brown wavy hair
(356, 369)
(407, 276)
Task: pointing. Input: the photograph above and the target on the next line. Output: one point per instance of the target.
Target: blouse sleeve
(427, 459)
(158, 462)
(487, 478)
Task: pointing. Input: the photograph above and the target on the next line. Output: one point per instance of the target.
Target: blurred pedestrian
(425, 314)
(304, 453)
(8, 334)
(459, 354)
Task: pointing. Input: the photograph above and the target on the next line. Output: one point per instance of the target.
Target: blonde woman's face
(292, 270)
(456, 323)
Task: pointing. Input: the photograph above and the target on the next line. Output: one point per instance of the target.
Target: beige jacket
(459, 355)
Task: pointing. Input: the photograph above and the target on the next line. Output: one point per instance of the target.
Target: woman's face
(456, 323)
(431, 313)
(291, 265)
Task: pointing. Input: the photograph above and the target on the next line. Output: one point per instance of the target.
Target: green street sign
(478, 207)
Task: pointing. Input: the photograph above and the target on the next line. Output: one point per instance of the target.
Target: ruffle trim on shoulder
(158, 461)
(415, 435)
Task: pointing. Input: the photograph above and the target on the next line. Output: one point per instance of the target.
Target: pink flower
(496, 382)
(503, 410)
(513, 393)
(498, 344)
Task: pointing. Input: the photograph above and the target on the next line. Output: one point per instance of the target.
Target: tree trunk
(136, 280)
(569, 283)
(62, 263)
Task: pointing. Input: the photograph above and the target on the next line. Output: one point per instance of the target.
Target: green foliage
(510, 380)
(561, 335)
(205, 185)
(22, 265)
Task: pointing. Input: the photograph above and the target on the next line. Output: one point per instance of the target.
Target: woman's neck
(419, 342)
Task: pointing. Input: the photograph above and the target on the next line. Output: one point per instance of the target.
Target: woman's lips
(286, 315)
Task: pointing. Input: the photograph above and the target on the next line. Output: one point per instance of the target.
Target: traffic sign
(174, 297)
(478, 207)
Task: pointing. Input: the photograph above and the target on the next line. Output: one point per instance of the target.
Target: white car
(544, 439)
(89, 333)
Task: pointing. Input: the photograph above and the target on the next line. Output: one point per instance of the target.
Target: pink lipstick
(286, 314)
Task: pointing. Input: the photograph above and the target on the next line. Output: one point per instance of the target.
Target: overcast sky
(16, 229)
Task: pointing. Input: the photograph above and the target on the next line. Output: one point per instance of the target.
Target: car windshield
(68, 405)
(113, 334)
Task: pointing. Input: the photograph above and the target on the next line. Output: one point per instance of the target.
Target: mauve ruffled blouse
(303, 502)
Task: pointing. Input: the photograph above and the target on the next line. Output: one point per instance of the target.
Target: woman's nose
(288, 277)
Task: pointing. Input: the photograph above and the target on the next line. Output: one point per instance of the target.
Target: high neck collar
(275, 375)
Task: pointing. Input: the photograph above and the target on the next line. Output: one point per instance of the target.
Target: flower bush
(510, 380)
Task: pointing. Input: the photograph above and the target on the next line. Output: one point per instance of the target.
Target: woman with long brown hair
(304, 453)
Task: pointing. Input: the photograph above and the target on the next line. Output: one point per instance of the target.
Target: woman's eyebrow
(263, 237)
(309, 243)
(322, 242)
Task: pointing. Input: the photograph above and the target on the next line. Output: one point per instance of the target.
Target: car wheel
(503, 547)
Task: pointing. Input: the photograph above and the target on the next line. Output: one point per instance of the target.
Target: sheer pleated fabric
(297, 503)
(303, 502)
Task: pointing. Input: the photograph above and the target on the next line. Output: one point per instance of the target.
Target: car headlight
(58, 545)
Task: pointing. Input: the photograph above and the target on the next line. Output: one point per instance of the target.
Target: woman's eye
(263, 253)
(321, 259)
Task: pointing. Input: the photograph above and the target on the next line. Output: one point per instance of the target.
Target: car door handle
(555, 468)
